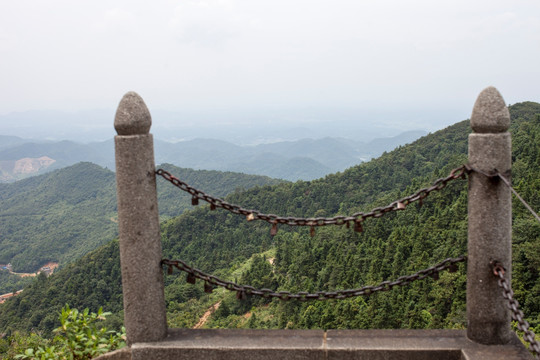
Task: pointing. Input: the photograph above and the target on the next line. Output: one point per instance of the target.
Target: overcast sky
(245, 56)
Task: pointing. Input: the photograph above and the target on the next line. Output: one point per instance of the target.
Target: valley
(333, 258)
(47, 269)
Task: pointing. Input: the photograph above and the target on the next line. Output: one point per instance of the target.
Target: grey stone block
(394, 344)
(234, 344)
(334, 344)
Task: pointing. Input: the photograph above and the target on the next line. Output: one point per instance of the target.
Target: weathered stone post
(490, 219)
(138, 222)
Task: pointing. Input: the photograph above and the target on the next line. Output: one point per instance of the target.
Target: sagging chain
(513, 305)
(355, 219)
(242, 291)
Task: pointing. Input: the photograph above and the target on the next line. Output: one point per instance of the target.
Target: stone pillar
(138, 222)
(490, 219)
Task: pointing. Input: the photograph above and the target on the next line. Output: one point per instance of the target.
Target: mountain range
(305, 159)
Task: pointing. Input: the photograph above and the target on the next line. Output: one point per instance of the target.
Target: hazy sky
(240, 56)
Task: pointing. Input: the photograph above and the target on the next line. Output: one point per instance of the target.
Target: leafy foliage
(19, 342)
(79, 338)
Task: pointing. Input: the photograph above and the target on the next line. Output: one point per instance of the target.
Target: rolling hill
(305, 159)
(62, 215)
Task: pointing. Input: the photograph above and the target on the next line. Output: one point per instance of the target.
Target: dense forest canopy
(335, 258)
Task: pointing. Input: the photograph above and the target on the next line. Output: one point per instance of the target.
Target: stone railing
(488, 334)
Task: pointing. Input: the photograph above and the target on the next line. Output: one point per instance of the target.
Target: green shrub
(79, 338)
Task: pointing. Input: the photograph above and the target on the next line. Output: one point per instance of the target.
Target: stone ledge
(416, 344)
(210, 344)
(317, 344)
(225, 344)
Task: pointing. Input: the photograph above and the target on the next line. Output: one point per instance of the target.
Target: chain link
(243, 290)
(513, 305)
(355, 219)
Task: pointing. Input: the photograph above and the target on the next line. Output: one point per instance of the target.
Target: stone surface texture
(132, 116)
(138, 223)
(490, 114)
(214, 344)
(489, 221)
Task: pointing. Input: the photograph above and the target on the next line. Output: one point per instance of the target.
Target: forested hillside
(397, 244)
(58, 216)
(336, 257)
(63, 215)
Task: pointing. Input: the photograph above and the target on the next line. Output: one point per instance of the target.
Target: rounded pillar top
(490, 114)
(132, 116)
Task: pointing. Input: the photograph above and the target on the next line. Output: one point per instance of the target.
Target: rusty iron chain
(513, 305)
(355, 219)
(211, 281)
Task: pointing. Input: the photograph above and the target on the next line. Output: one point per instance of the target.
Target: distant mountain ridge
(304, 159)
(10, 141)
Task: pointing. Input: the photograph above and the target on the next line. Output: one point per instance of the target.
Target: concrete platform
(227, 344)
